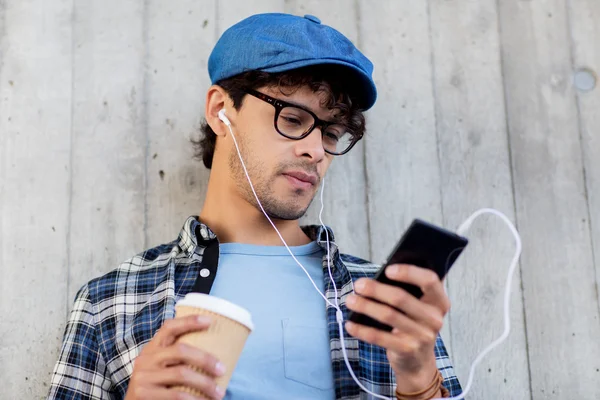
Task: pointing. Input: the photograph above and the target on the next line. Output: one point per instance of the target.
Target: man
(293, 93)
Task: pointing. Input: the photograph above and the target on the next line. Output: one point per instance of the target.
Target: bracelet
(427, 393)
(445, 392)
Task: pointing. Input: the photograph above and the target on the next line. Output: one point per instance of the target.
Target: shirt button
(312, 18)
(204, 272)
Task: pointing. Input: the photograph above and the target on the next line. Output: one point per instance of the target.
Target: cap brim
(366, 93)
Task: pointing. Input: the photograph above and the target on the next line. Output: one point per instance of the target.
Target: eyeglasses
(296, 122)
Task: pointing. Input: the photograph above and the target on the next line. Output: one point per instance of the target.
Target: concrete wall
(481, 104)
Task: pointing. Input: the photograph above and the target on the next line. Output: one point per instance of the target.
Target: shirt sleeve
(444, 365)
(80, 372)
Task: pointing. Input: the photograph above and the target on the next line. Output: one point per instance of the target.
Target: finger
(431, 315)
(158, 393)
(429, 282)
(402, 344)
(173, 328)
(181, 353)
(390, 316)
(184, 376)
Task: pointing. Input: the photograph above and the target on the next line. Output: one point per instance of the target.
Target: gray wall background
(482, 103)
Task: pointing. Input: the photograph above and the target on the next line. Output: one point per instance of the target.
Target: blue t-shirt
(288, 354)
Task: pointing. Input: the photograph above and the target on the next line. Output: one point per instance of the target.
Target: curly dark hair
(333, 81)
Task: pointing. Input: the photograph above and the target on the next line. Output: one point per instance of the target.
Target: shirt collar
(321, 234)
(194, 234)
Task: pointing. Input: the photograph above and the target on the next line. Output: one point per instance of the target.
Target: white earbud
(223, 118)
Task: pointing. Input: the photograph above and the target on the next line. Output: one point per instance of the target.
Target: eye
(290, 119)
(332, 136)
(335, 132)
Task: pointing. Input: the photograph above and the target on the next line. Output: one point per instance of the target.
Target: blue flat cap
(282, 42)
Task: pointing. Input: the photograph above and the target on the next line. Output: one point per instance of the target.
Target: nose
(311, 146)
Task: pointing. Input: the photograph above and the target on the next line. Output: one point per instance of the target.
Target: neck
(234, 220)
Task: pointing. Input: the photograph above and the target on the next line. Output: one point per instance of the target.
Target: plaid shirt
(116, 314)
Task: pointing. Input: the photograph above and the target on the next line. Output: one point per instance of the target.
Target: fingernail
(220, 391)
(220, 368)
(359, 285)
(392, 269)
(202, 319)
(351, 300)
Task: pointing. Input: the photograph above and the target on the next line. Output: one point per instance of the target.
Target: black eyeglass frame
(280, 105)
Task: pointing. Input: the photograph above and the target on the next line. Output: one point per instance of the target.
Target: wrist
(433, 390)
(414, 381)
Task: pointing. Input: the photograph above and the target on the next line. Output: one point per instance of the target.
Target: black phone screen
(424, 245)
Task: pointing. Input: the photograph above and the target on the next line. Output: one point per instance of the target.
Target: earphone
(224, 118)
(339, 315)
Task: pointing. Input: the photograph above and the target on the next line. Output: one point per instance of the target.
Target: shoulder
(138, 274)
(359, 267)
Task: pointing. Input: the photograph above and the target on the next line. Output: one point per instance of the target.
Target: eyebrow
(303, 107)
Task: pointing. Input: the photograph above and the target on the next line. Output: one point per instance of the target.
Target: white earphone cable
(268, 218)
(339, 315)
(506, 309)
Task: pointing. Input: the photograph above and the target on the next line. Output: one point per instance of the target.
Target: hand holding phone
(424, 245)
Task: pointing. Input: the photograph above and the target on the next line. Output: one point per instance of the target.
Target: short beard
(273, 207)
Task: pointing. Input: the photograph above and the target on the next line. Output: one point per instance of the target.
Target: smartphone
(424, 245)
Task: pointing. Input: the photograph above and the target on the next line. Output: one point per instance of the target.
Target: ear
(216, 100)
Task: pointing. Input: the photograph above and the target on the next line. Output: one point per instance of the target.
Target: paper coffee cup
(225, 337)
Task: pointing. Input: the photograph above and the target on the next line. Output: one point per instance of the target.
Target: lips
(303, 177)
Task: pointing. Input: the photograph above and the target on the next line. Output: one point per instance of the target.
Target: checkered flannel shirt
(115, 315)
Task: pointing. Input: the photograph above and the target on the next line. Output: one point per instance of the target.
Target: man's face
(285, 173)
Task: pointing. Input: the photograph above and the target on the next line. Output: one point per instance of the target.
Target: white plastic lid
(218, 306)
